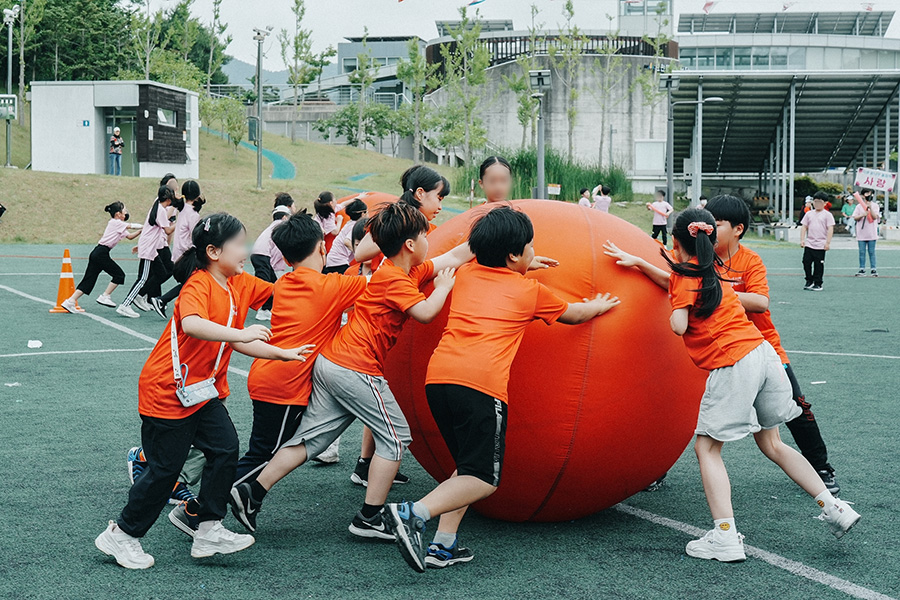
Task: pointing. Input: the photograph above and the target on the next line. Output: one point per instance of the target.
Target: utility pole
(260, 37)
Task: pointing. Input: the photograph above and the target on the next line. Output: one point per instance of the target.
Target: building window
(166, 117)
(797, 58)
(886, 59)
(724, 58)
(868, 59)
(850, 59)
(705, 58)
(742, 58)
(688, 57)
(760, 58)
(778, 56)
(349, 65)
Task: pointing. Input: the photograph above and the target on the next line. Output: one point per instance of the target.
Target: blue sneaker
(183, 520)
(409, 530)
(137, 462)
(181, 493)
(439, 557)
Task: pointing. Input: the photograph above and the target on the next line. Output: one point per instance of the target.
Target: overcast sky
(333, 20)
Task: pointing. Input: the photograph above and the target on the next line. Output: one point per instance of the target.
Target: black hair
(867, 191)
(355, 209)
(395, 223)
(490, 161)
(162, 194)
(322, 204)
(731, 209)
(661, 193)
(214, 230)
(298, 237)
(702, 197)
(445, 188)
(499, 233)
(360, 228)
(166, 178)
(605, 190)
(420, 176)
(703, 247)
(113, 208)
(283, 199)
(190, 190)
(820, 195)
(583, 190)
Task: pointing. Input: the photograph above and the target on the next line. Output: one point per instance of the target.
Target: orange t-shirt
(377, 318)
(489, 311)
(307, 310)
(378, 259)
(202, 296)
(748, 272)
(721, 339)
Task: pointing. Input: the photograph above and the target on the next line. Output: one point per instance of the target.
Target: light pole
(9, 17)
(540, 84)
(260, 37)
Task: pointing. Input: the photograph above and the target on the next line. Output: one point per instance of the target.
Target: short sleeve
(548, 307)
(257, 290)
(830, 219)
(194, 297)
(423, 272)
(805, 219)
(403, 293)
(682, 292)
(755, 279)
(348, 289)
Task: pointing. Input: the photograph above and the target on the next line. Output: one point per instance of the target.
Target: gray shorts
(341, 395)
(751, 395)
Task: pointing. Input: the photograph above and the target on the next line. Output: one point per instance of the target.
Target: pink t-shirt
(276, 258)
(817, 223)
(602, 203)
(866, 230)
(582, 201)
(115, 232)
(663, 207)
(153, 237)
(340, 254)
(263, 243)
(184, 229)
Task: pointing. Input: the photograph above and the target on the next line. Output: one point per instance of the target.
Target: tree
(611, 70)
(418, 77)
(565, 56)
(520, 84)
(146, 33)
(648, 79)
(319, 62)
(234, 120)
(465, 64)
(217, 44)
(296, 51)
(30, 14)
(363, 76)
(182, 32)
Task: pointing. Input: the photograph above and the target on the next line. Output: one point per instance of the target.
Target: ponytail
(190, 190)
(420, 176)
(322, 204)
(162, 194)
(695, 230)
(113, 208)
(215, 230)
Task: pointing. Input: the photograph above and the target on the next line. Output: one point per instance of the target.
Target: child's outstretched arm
(250, 340)
(579, 312)
(260, 349)
(453, 259)
(658, 276)
(426, 310)
(366, 249)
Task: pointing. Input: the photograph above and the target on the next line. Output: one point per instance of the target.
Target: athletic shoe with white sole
(360, 475)
(125, 549)
(244, 508)
(127, 311)
(181, 493)
(105, 301)
(137, 462)
(439, 557)
(142, 303)
(409, 530)
(331, 455)
(370, 528)
(720, 546)
(69, 305)
(264, 315)
(159, 307)
(183, 520)
(215, 539)
(840, 517)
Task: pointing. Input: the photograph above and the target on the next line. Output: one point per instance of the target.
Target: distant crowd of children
(352, 275)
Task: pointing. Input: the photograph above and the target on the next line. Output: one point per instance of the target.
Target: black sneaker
(159, 307)
(244, 507)
(860, 273)
(371, 528)
(816, 288)
(874, 273)
(656, 485)
(808, 286)
(183, 520)
(831, 484)
(439, 557)
(409, 529)
(360, 475)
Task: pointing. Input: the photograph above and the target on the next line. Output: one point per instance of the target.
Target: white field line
(50, 352)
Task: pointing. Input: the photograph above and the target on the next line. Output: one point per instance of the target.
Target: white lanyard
(176, 360)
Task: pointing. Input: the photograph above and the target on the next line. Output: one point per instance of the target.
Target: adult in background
(116, 143)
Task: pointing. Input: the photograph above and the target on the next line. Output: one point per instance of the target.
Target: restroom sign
(85, 123)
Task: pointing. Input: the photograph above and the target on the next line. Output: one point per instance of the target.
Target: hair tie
(698, 226)
(206, 226)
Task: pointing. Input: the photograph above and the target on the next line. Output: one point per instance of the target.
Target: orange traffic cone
(66, 285)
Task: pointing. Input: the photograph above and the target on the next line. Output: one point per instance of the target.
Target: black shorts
(473, 425)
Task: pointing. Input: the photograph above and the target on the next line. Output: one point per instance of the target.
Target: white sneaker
(331, 455)
(212, 538)
(264, 315)
(105, 301)
(720, 546)
(127, 311)
(69, 305)
(125, 549)
(142, 303)
(840, 517)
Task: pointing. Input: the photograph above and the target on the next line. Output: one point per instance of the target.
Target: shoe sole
(435, 563)
(371, 534)
(100, 543)
(127, 316)
(237, 510)
(161, 313)
(736, 558)
(184, 528)
(402, 538)
(327, 461)
(111, 305)
(842, 532)
(208, 553)
(130, 464)
(359, 480)
(71, 311)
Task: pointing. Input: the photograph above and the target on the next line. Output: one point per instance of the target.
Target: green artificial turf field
(68, 414)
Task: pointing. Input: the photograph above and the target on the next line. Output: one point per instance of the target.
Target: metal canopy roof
(835, 115)
(871, 23)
